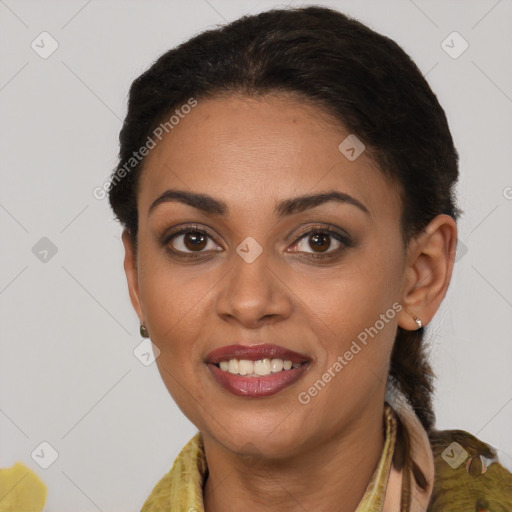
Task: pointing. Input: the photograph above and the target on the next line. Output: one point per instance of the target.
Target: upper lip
(254, 353)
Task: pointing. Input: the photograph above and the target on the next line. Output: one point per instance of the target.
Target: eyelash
(343, 239)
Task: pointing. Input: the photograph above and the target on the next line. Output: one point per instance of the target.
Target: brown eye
(194, 240)
(320, 240)
(188, 241)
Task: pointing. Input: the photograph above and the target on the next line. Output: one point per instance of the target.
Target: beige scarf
(402, 492)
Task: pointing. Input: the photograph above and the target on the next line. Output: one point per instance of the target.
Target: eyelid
(325, 228)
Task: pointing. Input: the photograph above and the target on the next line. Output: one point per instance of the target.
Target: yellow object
(21, 490)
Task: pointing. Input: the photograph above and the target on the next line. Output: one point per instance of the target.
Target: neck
(333, 475)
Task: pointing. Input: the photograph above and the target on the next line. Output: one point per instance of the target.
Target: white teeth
(262, 367)
(258, 368)
(245, 367)
(233, 366)
(276, 365)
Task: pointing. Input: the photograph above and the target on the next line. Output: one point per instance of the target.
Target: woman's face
(198, 293)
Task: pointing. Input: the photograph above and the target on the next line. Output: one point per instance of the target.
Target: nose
(253, 294)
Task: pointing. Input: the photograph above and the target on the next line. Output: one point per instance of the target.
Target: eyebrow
(212, 206)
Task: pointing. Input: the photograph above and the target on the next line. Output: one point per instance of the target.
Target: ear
(131, 271)
(430, 262)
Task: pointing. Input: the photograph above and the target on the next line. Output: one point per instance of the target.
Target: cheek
(355, 310)
(356, 294)
(174, 299)
(355, 326)
(173, 303)
(359, 325)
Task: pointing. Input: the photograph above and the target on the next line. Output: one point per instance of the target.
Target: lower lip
(255, 387)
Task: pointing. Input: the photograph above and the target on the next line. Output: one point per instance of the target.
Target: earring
(143, 331)
(418, 322)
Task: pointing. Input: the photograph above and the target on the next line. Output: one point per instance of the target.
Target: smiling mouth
(256, 371)
(258, 368)
(253, 385)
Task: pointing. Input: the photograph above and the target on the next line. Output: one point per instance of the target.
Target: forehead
(254, 152)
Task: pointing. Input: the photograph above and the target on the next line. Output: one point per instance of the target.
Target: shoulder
(469, 474)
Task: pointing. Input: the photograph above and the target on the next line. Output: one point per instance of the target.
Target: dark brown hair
(359, 77)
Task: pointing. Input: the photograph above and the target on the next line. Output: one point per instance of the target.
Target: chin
(259, 438)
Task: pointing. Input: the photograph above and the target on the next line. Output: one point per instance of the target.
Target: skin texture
(275, 453)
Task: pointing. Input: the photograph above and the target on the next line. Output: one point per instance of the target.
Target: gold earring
(418, 323)
(143, 331)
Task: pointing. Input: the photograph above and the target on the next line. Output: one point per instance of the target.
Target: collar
(389, 490)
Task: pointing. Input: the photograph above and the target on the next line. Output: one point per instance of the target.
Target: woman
(286, 188)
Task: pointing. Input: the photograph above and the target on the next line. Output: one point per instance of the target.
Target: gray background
(68, 374)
